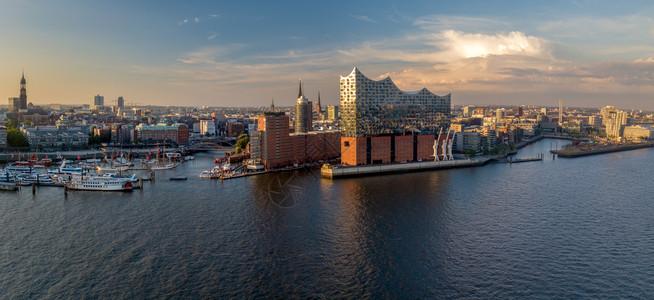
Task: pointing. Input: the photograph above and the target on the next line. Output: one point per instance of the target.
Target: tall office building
(275, 147)
(23, 93)
(380, 123)
(468, 111)
(120, 102)
(332, 112)
(14, 104)
(96, 101)
(500, 113)
(318, 107)
(303, 113)
(615, 122)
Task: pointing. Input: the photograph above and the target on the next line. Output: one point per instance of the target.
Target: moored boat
(99, 183)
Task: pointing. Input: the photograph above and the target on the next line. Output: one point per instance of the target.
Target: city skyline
(587, 53)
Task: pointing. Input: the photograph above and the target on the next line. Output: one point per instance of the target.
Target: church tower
(318, 108)
(303, 113)
(23, 93)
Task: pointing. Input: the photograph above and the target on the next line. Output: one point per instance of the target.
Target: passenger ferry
(99, 183)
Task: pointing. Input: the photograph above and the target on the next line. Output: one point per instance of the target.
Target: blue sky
(234, 53)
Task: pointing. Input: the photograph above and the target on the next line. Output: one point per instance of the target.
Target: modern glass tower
(373, 108)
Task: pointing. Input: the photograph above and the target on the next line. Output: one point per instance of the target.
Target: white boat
(165, 167)
(132, 178)
(112, 169)
(173, 155)
(63, 170)
(99, 183)
(19, 169)
(34, 178)
(7, 177)
(205, 174)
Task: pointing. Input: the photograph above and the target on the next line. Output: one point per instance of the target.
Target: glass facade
(371, 108)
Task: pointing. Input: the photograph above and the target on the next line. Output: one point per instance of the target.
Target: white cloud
(182, 22)
(363, 18)
(481, 45)
(444, 54)
(214, 16)
(196, 20)
(212, 36)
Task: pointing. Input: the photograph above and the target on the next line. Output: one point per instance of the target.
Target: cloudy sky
(236, 53)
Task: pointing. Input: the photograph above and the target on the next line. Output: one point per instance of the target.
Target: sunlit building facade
(370, 107)
(382, 124)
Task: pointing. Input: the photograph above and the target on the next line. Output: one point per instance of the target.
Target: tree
(15, 138)
(12, 123)
(241, 144)
(470, 152)
(94, 140)
(28, 122)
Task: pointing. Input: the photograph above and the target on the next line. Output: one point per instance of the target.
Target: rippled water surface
(553, 229)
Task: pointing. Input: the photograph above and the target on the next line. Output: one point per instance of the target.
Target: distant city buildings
(639, 132)
(614, 120)
(97, 101)
(14, 104)
(381, 124)
(207, 127)
(303, 113)
(332, 112)
(56, 137)
(178, 133)
(120, 103)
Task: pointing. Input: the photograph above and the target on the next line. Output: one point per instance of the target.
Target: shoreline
(333, 172)
(618, 148)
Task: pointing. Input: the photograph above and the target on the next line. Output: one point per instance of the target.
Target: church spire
(318, 106)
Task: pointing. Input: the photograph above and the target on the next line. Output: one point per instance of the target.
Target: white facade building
(207, 126)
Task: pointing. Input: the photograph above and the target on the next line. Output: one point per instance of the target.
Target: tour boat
(178, 178)
(99, 183)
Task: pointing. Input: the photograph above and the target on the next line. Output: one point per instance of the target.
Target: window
(346, 144)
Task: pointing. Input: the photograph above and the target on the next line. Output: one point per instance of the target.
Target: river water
(563, 228)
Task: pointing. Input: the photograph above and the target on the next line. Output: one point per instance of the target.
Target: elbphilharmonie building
(382, 124)
(370, 108)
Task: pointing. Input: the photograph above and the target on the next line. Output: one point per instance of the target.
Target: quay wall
(355, 171)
